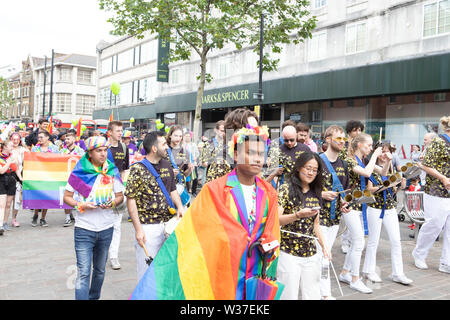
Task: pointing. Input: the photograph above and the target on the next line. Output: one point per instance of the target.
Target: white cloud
(36, 27)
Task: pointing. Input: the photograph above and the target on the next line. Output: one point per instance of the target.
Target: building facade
(74, 88)
(383, 62)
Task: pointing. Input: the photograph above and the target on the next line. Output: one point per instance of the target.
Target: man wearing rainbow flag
(216, 247)
(94, 188)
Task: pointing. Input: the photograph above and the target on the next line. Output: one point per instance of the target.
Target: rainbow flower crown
(247, 131)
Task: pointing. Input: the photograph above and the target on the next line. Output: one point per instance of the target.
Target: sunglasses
(290, 140)
(341, 139)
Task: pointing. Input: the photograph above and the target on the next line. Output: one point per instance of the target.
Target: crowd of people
(308, 190)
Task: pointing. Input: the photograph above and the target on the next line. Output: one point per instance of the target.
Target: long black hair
(295, 184)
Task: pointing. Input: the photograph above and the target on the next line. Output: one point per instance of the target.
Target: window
(65, 74)
(125, 60)
(107, 66)
(85, 104)
(439, 96)
(84, 76)
(318, 3)
(148, 51)
(63, 102)
(356, 38)
(126, 93)
(174, 77)
(137, 55)
(318, 46)
(104, 99)
(145, 89)
(436, 18)
(224, 67)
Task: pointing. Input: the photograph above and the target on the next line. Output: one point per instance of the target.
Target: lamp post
(259, 95)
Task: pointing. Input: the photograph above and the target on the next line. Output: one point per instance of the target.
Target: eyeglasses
(290, 140)
(341, 139)
(311, 169)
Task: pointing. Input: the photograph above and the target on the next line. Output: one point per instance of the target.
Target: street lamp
(259, 95)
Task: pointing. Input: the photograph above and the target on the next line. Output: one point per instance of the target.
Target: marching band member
(299, 206)
(360, 147)
(335, 179)
(436, 200)
(383, 212)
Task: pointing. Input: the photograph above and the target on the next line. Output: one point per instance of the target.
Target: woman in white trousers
(359, 169)
(299, 205)
(383, 213)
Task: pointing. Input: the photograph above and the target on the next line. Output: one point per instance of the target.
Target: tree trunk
(199, 102)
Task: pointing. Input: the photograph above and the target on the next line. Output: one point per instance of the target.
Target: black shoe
(2, 231)
(34, 222)
(43, 223)
(411, 236)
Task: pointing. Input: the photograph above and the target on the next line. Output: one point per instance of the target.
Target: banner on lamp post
(162, 72)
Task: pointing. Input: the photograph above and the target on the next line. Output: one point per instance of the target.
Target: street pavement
(39, 264)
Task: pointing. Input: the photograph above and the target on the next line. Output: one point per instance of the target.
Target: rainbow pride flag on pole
(45, 176)
(206, 257)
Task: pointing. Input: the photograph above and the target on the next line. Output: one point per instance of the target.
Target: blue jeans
(92, 251)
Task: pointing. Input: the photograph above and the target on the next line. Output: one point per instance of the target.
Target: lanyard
(172, 160)
(337, 185)
(364, 205)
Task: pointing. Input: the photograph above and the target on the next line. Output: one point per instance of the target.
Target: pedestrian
(18, 152)
(415, 154)
(8, 179)
(427, 138)
(96, 184)
(283, 159)
(192, 149)
(45, 146)
(380, 213)
(32, 139)
(335, 180)
(216, 246)
(70, 147)
(178, 156)
(304, 136)
(360, 169)
(151, 196)
(119, 154)
(127, 139)
(436, 200)
(300, 201)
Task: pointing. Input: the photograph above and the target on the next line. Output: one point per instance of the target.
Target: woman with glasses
(383, 212)
(359, 169)
(299, 202)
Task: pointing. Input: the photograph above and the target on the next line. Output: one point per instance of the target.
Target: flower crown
(247, 131)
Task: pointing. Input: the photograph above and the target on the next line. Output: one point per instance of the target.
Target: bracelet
(79, 207)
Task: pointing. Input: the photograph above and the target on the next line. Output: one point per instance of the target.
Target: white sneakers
(115, 265)
(401, 279)
(419, 262)
(374, 277)
(444, 268)
(358, 285)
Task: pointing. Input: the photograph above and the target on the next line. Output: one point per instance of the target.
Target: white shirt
(250, 204)
(96, 219)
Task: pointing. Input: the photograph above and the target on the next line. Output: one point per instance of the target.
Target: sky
(37, 26)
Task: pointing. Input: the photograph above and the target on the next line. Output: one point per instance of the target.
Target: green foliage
(6, 99)
(201, 25)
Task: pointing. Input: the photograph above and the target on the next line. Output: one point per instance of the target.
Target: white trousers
(390, 222)
(354, 223)
(437, 217)
(329, 235)
(115, 242)
(346, 238)
(297, 272)
(154, 236)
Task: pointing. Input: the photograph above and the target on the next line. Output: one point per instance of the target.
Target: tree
(6, 98)
(202, 25)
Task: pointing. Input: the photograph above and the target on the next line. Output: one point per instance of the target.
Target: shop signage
(228, 96)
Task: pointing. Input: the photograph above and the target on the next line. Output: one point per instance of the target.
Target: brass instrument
(392, 181)
(410, 170)
(360, 197)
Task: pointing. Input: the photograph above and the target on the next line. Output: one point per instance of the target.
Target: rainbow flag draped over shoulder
(83, 176)
(45, 177)
(206, 256)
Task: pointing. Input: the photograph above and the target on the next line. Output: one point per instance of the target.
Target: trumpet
(392, 181)
(410, 170)
(360, 197)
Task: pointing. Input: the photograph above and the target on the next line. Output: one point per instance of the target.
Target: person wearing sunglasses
(282, 161)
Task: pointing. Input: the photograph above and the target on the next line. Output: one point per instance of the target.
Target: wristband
(79, 207)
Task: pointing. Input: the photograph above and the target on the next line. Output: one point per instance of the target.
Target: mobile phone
(315, 208)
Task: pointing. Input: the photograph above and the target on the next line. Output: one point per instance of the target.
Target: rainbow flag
(45, 177)
(207, 255)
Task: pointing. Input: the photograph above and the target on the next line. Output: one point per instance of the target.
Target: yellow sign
(256, 110)
(226, 96)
